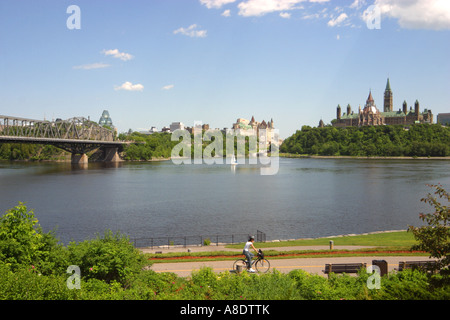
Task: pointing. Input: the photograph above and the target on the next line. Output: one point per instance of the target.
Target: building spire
(370, 98)
(388, 85)
(388, 98)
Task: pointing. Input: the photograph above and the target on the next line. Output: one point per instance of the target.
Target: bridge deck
(14, 139)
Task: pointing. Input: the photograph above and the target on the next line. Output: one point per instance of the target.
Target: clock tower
(388, 98)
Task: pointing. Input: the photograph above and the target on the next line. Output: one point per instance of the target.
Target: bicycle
(261, 264)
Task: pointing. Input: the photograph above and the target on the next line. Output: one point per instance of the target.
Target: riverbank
(388, 238)
(281, 155)
(291, 155)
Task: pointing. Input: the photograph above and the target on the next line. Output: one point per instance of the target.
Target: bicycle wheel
(262, 265)
(240, 262)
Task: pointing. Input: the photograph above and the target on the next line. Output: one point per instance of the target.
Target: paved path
(213, 248)
(312, 265)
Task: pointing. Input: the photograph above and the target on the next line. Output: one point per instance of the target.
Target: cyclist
(248, 254)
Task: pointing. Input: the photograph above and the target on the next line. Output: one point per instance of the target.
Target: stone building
(252, 127)
(370, 115)
(244, 126)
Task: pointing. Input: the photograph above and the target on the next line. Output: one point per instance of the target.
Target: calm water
(307, 198)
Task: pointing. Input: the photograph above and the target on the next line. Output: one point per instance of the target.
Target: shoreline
(284, 155)
(305, 156)
(222, 245)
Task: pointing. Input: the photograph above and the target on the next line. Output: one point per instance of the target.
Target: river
(306, 198)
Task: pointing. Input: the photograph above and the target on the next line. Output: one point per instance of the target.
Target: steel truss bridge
(76, 135)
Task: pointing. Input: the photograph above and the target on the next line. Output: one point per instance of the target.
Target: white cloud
(337, 21)
(128, 86)
(215, 3)
(97, 65)
(417, 14)
(261, 7)
(191, 31)
(357, 4)
(249, 8)
(226, 13)
(168, 87)
(117, 54)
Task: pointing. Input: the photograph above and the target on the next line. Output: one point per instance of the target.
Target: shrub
(410, 285)
(435, 237)
(108, 258)
(22, 242)
(28, 284)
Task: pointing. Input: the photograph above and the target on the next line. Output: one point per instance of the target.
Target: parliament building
(371, 116)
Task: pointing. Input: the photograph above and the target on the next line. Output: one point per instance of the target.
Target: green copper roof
(350, 116)
(401, 113)
(393, 114)
(388, 85)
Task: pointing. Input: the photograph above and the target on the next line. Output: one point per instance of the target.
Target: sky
(154, 62)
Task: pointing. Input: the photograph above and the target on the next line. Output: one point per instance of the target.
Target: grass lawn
(386, 239)
(383, 241)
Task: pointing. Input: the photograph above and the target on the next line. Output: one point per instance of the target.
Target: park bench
(428, 265)
(343, 268)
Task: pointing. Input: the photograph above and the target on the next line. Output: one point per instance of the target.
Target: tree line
(31, 152)
(418, 140)
(160, 145)
(145, 147)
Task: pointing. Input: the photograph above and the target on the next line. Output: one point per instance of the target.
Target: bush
(411, 285)
(23, 244)
(28, 284)
(108, 258)
(435, 236)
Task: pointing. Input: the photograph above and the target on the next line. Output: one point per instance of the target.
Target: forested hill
(418, 140)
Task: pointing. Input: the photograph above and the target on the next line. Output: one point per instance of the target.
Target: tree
(435, 237)
(22, 242)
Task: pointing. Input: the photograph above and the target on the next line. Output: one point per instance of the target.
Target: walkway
(311, 265)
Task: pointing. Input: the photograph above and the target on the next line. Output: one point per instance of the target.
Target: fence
(199, 240)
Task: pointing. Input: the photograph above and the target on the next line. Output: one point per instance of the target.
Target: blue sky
(154, 62)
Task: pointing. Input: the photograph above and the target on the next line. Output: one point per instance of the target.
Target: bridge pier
(111, 154)
(79, 158)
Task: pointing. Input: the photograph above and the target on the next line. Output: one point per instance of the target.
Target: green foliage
(108, 258)
(147, 147)
(419, 140)
(28, 284)
(160, 145)
(206, 242)
(22, 242)
(33, 152)
(435, 236)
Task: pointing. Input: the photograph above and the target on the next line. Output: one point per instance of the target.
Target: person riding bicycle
(248, 254)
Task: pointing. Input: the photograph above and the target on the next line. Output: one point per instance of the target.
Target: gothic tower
(388, 98)
(416, 110)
